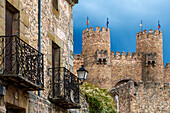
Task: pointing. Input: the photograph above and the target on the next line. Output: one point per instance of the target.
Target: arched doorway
(124, 81)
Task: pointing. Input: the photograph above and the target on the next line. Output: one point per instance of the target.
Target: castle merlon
(148, 35)
(91, 29)
(123, 55)
(78, 57)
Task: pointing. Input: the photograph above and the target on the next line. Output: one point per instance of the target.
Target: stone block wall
(42, 105)
(84, 106)
(56, 27)
(149, 44)
(148, 98)
(125, 67)
(78, 61)
(95, 41)
(166, 77)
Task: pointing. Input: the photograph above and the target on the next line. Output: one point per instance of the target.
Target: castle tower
(151, 46)
(96, 54)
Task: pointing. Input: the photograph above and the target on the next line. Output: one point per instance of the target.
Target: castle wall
(93, 41)
(128, 71)
(96, 54)
(125, 67)
(78, 62)
(151, 46)
(166, 77)
(149, 98)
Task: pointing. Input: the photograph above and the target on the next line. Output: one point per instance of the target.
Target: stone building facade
(110, 70)
(29, 77)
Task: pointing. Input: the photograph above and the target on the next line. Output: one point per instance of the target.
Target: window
(12, 20)
(11, 28)
(55, 4)
(55, 55)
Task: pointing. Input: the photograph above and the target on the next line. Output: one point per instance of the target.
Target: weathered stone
(24, 38)
(108, 70)
(2, 31)
(24, 18)
(2, 12)
(55, 27)
(143, 98)
(22, 27)
(2, 3)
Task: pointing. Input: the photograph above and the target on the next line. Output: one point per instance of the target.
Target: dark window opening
(100, 60)
(11, 28)
(55, 4)
(153, 62)
(104, 61)
(55, 55)
(12, 20)
(55, 64)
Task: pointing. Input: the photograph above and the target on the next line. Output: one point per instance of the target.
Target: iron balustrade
(65, 85)
(19, 58)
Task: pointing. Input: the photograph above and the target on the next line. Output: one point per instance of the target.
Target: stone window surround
(55, 8)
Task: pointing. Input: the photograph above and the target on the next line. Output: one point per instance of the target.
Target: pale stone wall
(126, 67)
(152, 98)
(166, 77)
(147, 43)
(16, 97)
(39, 104)
(84, 106)
(78, 62)
(149, 98)
(57, 27)
(93, 41)
(2, 17)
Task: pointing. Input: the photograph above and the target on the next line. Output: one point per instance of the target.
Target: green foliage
(99, 100)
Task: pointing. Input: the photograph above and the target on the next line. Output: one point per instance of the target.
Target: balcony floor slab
(20, 81)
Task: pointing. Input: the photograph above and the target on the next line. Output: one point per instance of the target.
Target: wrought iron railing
(65, 85)
(18, 57)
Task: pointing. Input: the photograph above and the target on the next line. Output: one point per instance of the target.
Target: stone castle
(121, 73)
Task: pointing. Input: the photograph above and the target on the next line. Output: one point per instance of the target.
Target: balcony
(20, 64)
(65, 88)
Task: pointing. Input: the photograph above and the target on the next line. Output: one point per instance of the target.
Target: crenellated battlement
(78, 57)
(98, 29)
(91, 36)
(137, 97)
(96, 39)
(140, 88)
(150, 34)
(122, 55)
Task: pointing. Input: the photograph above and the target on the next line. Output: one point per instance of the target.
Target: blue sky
(124, 21)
